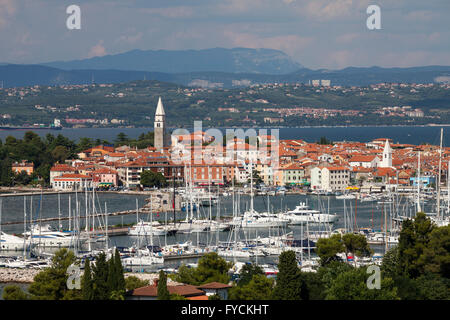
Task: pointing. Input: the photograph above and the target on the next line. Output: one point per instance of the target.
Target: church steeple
(159, 127)
(386, 162)
(160, 108)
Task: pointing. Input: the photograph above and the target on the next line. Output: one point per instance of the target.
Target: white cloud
(323, 10)
(129, 39)
(7, 10)
(97, 51)
(171, 12)
(292, 44)
(347, 38)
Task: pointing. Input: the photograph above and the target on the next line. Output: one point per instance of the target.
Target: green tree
(163, 292)
(185, 275)
(152, 179)
(122, 139)
(112, 276)
(51, 283)
(87, 286)
(212, 268)
(315, 285)
(289, 284)
(133, 282)
(14, 292)
(60, 154)
(414, 238)
(391, 263)
(330, 272)
(328, 248)
(247, 272)
(352, 285)
(324, 141)
(258, 288)
(120, 274)
(100, 278)
(356, 244)
(431, 286)
(176, 296)
(436, 255)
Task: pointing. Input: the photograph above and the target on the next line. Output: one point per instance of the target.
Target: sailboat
(143, 256)
(254, 219)
(439, 219)
(10, 242)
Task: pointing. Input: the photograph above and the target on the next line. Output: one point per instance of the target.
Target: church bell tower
(160, 127)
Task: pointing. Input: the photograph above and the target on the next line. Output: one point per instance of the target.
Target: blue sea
(399, 134)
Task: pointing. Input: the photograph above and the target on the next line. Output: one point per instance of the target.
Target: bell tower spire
(160, 127)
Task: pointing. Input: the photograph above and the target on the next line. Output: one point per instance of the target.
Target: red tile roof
(214, 285)
(185, 290)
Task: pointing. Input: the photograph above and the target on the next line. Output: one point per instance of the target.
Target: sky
(316, 33)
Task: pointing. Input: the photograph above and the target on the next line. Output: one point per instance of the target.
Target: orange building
(28, 167)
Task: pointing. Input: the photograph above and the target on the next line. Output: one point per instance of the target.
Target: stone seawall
(18, 275)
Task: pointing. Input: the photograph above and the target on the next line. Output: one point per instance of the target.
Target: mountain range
(216, 67)
(236, 60)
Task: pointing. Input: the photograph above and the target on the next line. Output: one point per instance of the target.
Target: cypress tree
(87, 288)
(289, 280)
(112, 275)
(163, 293)
(119, 270)
(100, 278)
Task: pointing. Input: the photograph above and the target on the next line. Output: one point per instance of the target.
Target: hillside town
(324, 167)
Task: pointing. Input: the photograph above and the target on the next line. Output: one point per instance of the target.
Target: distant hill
(27, 75)
(236, 60)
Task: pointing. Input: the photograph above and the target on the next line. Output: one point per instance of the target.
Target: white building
(330, 178)
(68, 182)
(364, 161)
(386, 162)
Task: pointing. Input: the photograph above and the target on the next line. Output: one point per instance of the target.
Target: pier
(119, 213)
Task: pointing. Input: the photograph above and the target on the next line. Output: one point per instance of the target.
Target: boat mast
(448, 188)
(106, 227)
(59, 211)
(139, 232)
(24, 225)
(251, 185)
(31, 221)
(1, 209)
(438, 187)
(418, 184)
(70, 213)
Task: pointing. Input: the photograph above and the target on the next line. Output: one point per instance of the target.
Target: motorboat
(46, 236)
(12, 243)
(254, 219)
(143, 228)
(303, 214)
(347, 196)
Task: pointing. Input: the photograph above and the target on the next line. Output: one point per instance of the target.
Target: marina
(168, 250)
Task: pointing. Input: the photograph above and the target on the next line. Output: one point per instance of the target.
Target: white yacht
(46, 236)
(200, 225)
(148, 228)
(303, 214)
(12, 243)
(254, 219)
(347, 196)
